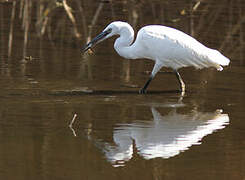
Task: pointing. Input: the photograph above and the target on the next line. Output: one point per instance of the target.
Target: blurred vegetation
(48, 32)
(74, 21)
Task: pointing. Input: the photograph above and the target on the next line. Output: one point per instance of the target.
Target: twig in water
(70, 125)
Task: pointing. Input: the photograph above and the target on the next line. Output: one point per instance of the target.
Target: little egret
(167, 46)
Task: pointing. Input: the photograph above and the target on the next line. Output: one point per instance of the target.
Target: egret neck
(123, 44)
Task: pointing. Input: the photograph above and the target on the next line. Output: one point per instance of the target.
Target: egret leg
(143, 90)
(156, 68)
(181, 82)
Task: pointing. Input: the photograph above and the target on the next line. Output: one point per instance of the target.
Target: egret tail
(218, 59)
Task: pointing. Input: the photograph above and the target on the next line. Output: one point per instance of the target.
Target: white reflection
(165, 136)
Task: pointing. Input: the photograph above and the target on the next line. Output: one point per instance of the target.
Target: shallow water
(67, 116)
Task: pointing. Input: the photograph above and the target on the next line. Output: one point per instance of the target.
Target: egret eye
(108, 31)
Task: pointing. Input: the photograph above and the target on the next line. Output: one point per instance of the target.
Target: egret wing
(176, 49)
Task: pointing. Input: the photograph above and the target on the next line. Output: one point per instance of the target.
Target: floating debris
(70, 125)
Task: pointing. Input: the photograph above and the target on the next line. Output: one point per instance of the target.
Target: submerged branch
(70, 125)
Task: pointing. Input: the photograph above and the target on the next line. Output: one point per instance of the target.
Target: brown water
(117, 133)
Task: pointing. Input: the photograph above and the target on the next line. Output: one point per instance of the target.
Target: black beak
(97, 39)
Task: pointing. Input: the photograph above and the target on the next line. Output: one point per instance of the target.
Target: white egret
(167, 46)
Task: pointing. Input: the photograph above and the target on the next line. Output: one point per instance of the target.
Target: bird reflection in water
(165, 136)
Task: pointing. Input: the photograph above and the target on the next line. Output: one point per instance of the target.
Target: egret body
(168, 47)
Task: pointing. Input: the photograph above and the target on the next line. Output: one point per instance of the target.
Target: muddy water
(67, 116)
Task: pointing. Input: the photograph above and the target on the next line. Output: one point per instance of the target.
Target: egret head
(112, 29)
(106, 33)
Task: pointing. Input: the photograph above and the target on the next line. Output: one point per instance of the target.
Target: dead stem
(83, 15)
(233, 31)
(11, 29)
(71, 17)
(70, 125)
(94, 20)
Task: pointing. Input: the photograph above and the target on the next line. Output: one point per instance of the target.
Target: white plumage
(175, 49)
(168, 47)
